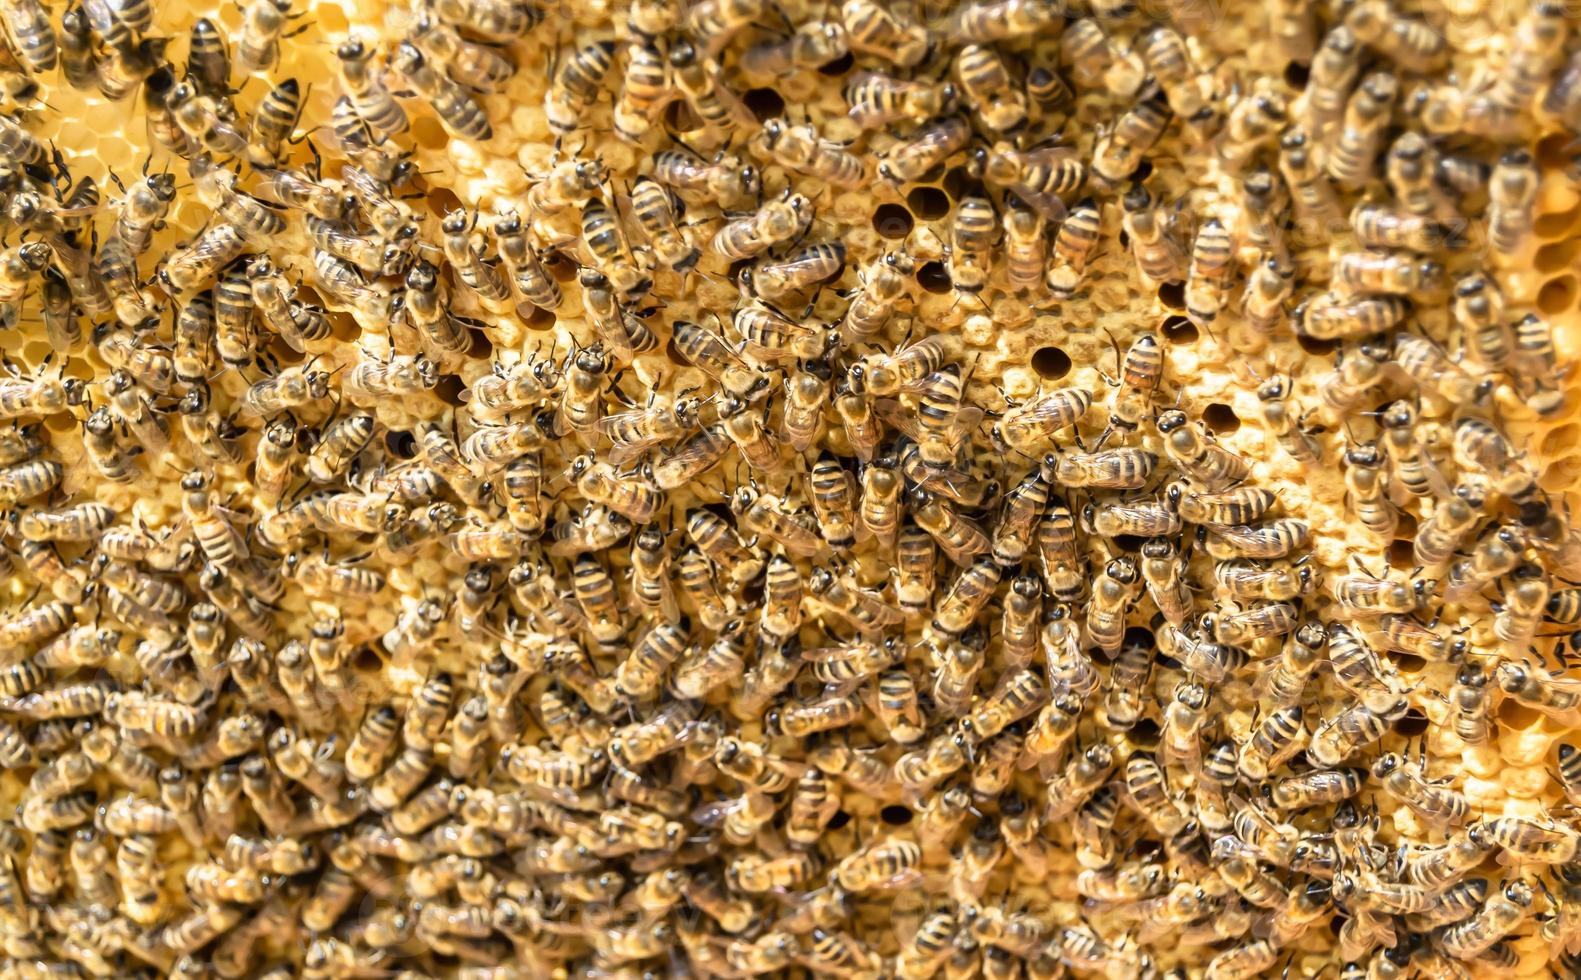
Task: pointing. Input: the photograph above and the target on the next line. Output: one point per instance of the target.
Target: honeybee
(802, 149)
(1159, 256)
(1336, 739)
(814, 44)
(1534, 687)
(1109, 469)
(1499, 916)
(1097, 62)
(491, 19)
(1353, 152)
(924, 149)
(724, 179)
(986, 86)
(879, 31)
(771, 224)
(1205, 462)
(1028, 426)
(1118, 153)
(715, 358)
(192, 265)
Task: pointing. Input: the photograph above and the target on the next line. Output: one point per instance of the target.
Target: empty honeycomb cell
(1051, 363)
(765, 103)
(1221, 418)
(896, 816)
(1514, 716)
(1557, 256)
(933, 277)
(928, 203)
(892, 221)
(838, 66)
(1560, 441)
(1317, 346)
(1558, 295)
(1561, 475)
(1179, 330)
(429, 133)
(1173, 295)
(1557, 224)
(958, 183)
(1296, 74)
(1555, 151)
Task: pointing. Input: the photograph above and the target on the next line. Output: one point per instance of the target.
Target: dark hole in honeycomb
(1413, 724)
(442, 201)
(933, 277)
(892, 221)
(1401, 553)
(679, 117)
(1221, 418)
(1408, 664)
(1050, 363)
(896, 816)
(1315, 346)
(561, 266)
(752, 591)
(401, 443)
(765, 103)
(1138, 635)
(840, 819)
(449, 389)
(1406, 526)
(1557, 295)
(535, 317)
(958, 184)
(838, 66)
(1179, 330)
(284, 352)
(1125, 238)
(368, 661)
(1143, 171)
(1145, 733)
(928, 203)
(343, 326)
(481, 345)
(1296, 75)
(1173, 295)
(1555, 152)
(1128, 543)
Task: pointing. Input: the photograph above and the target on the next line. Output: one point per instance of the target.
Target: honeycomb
(398, 590)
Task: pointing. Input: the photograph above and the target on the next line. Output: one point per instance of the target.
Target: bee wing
(714, 814)
(625, 450)
(898, 416)
(1049, 414)
(827, 654)
(768, 355)
(694, 457)
(1567, 929)
(803, 537)
(1048, 205)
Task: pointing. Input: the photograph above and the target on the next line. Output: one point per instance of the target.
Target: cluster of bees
(823, 655)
